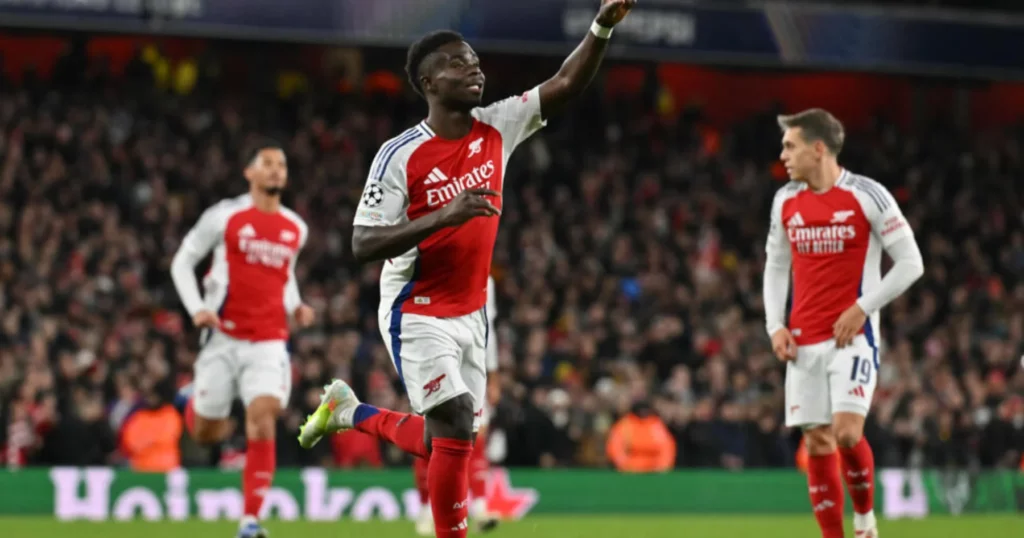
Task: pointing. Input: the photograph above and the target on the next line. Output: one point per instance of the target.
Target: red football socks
(826, 489)
(859, 472)
(448, 482)
(258, 474)
(479, 469)
(404, 431)
(419, 472)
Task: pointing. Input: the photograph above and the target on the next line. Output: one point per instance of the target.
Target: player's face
(455, 76)
(268, 171)
(799, 156)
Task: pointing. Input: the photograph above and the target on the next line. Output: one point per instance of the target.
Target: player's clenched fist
(206, 319)
(613, 11)
(784, 345)
(468, 204)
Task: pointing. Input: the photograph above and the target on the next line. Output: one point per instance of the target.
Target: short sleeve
(385, 197)
(516, 118)
(882, 211)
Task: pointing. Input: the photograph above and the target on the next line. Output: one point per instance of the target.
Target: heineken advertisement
(101, 494)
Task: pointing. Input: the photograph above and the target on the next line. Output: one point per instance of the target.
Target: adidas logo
(857, 391)
(435, 176)
(247, 231)
(795, 221)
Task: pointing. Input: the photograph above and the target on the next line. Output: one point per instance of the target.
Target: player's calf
(260, 456)
(858, 468)
(824, 482)
(450, 432)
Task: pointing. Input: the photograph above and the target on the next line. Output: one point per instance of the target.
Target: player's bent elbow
(360, 249)
(918, 269)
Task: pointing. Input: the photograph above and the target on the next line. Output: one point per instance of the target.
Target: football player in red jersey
(828, 228)
(250, 291)
(429, 209)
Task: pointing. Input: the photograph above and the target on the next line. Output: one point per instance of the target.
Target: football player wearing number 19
(430, 210)
(829, 226)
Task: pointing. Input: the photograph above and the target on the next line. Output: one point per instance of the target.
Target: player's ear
(427, 84)
(819, 149)
(248, 172)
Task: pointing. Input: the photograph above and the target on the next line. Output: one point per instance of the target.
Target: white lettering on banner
(217, 504)
(86, 494)
(643, 25)
(377, 501)
(323, 504)
(897, 505)
(478, 178)
(138, 501)
(413, 506)
(281, 504)
(68, 505)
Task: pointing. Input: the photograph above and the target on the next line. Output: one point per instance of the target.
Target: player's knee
(847, 436)
(210, 431)
(261, 418)
(848, 429)
(452, 419)
(820, 440)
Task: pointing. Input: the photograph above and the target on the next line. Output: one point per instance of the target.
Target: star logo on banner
(505, 501)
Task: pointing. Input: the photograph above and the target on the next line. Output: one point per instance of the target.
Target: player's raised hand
(613, 11)
(206, 319)
(783, 345)
(848, 325)
(468, 204)
(305, 315)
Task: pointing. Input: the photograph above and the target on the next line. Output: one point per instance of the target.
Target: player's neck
(826, 177)
(449, 124)
(265, 202)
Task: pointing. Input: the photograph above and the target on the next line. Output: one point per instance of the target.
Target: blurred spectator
(151, 435)
(640, 443)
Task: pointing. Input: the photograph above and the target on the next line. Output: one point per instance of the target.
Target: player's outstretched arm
(373, 243)
(580, 67)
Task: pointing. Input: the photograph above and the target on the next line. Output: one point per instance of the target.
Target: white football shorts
(228, 368)
(824, 380)
(439, 358)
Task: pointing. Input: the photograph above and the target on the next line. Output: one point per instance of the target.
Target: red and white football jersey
(251, 282)
(836, 240)
(417, 173)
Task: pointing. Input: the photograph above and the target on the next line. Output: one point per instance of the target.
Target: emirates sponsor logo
(821, 239)
(267, 253)
(479, 177)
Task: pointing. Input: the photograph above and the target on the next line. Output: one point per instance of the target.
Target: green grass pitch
(605, 526)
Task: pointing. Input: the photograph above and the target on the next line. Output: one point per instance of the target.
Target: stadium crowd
(627, 264)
